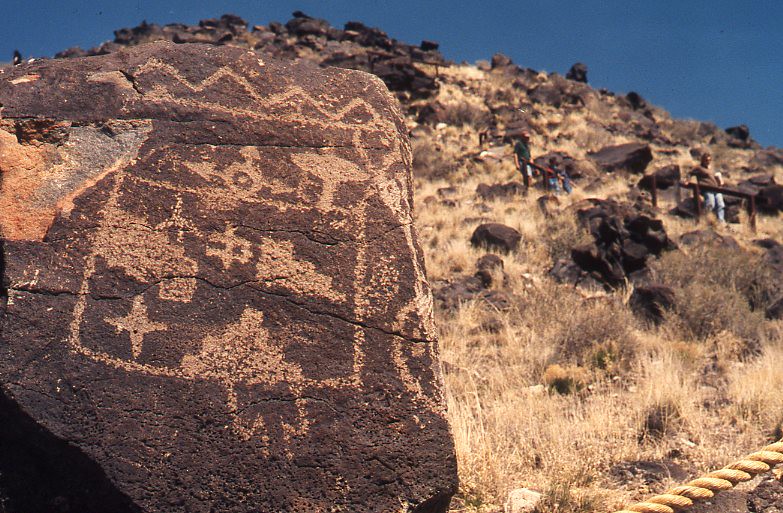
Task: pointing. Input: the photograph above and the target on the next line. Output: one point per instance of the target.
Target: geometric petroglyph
(137, 324)
(229, 248)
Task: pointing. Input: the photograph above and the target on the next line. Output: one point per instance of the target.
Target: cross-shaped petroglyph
(137, 323)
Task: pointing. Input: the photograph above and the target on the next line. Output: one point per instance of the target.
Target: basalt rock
(213, 297)
(665, 177)
(770, 199)
(496, 236)
(303, 37)
(632, 157)
(578, 72)
(625, 237)
(499, 190)
(652, 301)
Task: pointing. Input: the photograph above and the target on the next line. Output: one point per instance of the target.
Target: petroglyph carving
(258, 298)
(136, 324)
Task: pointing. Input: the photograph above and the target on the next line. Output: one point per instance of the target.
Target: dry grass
(555, 392)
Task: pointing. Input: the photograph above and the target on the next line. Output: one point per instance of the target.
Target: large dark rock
(652, 301)
(213, 298)
(770, 199)
(578, 72)
(665, 177)
(497, 236)
(632, 157)
(625, 237)
(636, 101)
(741, 132)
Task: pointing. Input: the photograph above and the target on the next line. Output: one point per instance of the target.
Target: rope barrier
(703, 488)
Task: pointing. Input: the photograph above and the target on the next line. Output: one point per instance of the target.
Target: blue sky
(719, 60)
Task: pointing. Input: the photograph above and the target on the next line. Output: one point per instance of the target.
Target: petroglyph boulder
(213, 296)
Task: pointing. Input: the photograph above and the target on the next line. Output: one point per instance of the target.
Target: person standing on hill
(706, 176)
(522, 156)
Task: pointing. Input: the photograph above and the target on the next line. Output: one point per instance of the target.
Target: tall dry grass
(563, 388)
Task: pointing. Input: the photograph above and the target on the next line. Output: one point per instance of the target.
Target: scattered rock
(775, 310)
(651, 302)
(767, 497)
(636, 101)
(522, 500)
(665, 177)
(548, 204)
(501, 61)
(648, 472)
(741, 132)
(487, 267)
(766, 158)
(632, 157)
(709, 237)
(578, 72)
(452, 294)
(496, 235)
(447, 192)
(499, 190)
(356, 47)
(182, 310)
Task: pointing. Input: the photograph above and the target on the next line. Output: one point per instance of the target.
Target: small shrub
(464, 113)
(719, 290)
(566, 380)
(430, 163)
(562, 499)
(563, 232)
(597, 333)
(659, 420)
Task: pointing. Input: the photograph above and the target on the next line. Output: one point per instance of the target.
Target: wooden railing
(698, 188)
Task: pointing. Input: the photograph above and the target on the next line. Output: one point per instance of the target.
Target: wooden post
(752, 212)
(654, 191)
(696, 202)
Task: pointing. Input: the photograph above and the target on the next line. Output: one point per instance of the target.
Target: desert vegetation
(565, 390)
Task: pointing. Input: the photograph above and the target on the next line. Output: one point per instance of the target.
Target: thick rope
(683, 497)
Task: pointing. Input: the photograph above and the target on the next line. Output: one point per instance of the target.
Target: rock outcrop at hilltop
(213, 297)
(355, 47)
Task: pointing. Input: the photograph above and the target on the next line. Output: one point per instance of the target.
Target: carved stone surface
(213, 288)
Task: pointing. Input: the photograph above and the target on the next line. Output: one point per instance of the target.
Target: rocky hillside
(595, 348)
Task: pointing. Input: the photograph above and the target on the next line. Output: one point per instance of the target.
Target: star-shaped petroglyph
(176, 220)
(137, 324)
(231, 248)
